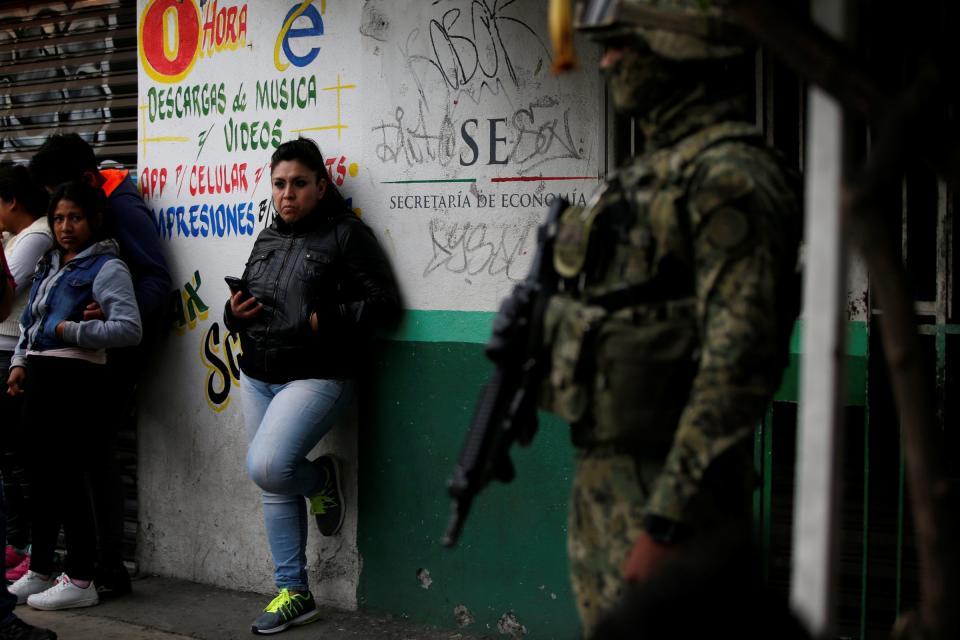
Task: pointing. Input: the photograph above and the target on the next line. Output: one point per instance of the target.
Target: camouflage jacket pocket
(646, 360)
(570, 329)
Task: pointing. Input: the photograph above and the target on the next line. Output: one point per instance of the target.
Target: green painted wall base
(512, 556)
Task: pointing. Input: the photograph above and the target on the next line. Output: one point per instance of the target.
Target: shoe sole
(26, 597)
(343, 508)
(72, 605)
(303, 619)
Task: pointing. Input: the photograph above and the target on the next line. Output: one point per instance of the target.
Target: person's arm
(8, 288)
(140, 248)
(18, 371)
(19, 357)
(369, 273)
(745, 221)
(24, 257)
(113, 291)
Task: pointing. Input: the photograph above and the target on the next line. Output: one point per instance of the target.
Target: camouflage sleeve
(744, 226)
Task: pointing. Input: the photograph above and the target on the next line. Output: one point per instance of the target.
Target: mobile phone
(237, 284)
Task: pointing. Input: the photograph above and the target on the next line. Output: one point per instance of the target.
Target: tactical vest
(622, 333)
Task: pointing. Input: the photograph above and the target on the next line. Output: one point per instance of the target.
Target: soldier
(679, 290)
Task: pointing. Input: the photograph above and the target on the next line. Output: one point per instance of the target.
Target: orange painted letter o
(163, 60)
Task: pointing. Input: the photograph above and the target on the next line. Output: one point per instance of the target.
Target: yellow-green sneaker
(286, 610)
(327, 504)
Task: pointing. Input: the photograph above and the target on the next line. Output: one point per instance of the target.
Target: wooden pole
(823, 381)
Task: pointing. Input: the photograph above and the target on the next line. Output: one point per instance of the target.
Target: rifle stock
(506, 410)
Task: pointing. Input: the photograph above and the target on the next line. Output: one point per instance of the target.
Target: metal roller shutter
(69, 67)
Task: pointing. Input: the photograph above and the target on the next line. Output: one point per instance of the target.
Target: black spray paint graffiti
(527, 139)
(471, 58)
(475, 248)
(416, 145)
(462, 52)
(471, 54)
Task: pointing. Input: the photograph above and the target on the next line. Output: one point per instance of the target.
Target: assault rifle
(507, 408)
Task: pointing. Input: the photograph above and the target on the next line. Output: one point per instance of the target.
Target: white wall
(457, 71)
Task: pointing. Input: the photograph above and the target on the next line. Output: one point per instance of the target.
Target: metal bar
(758, 492)
(905, 227)
(118, 149)
(113, 80)
(126, 29)
(865, 539)
(926, 307)
(948, 241)
(30, 20)
(69, 106)
(758, 66)
(901, 510)
(801, 122)
(940, 339)
(813, 581)
(944, 241)
(767, 493)
(932, 329)
(89, 126)
(66, 60)
(768, 87)
(609, 131)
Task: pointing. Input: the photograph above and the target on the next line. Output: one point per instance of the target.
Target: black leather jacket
(331, 264)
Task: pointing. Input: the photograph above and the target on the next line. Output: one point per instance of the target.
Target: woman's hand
(245, 310)
(93, 312)
(314, 323)
(15, 380)
(59, 329)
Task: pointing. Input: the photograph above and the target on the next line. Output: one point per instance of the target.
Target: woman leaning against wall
(315, 286)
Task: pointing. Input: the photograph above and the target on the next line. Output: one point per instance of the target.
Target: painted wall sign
(439, 121)
(442, 127)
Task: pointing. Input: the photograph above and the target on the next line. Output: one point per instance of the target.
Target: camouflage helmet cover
(674, 29)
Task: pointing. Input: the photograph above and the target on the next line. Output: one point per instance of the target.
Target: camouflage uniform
(669, 337)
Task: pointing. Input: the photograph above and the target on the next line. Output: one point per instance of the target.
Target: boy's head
(63, 158)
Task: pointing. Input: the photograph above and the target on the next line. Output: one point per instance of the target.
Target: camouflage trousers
(606, 509)
(610, 491)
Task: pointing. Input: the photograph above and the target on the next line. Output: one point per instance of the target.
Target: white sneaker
(64, 595)
(29, 584)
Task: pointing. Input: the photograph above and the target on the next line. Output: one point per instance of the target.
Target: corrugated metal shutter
(71, 67)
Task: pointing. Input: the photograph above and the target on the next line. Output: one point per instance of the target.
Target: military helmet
(674, 29)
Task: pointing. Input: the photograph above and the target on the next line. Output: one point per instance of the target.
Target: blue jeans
(284, 422)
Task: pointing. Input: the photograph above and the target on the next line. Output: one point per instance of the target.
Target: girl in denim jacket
(59, 367)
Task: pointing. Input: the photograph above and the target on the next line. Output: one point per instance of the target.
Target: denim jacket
(60, 292)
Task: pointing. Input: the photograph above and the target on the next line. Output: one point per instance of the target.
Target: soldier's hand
(647, 558)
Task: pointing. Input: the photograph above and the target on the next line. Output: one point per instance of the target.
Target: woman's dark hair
(307, 152)
(91, 201)
(15, 184)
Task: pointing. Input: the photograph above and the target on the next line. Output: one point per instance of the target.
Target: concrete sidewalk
(167, 609)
